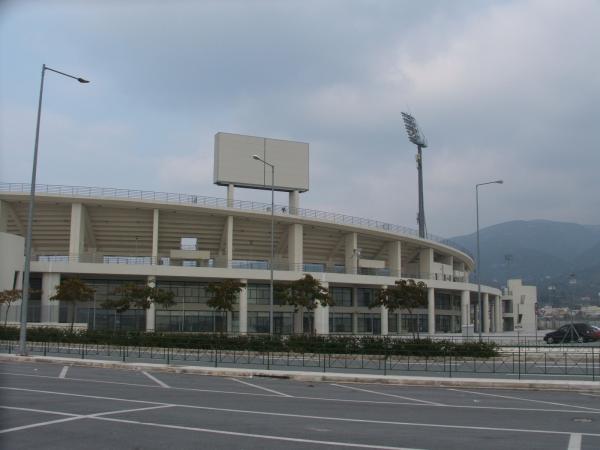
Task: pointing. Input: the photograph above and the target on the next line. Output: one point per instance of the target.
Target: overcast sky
(502, 89)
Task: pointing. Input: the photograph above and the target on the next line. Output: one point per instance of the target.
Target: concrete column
(298, 322)
(3, 216)
(50, 308)
(431, 310)
(229, 240)
(486, 313)
(322, 315)
(77, 232)
(294, 202)
(322, 319)
(425, 263)
(395, 258)
(230, 189)
(498, 314)
(384, 321)
(243, 307)
(151, 311)
(465, 304)
(354, 323)
(351, 255)
(155, 236)
(295, 244)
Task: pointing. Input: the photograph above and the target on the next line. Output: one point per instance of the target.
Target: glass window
(447, 323)
(413, 323)
(258, 322)
(259, 294)
(314, 267)
(368, 323)
(340, 323)
(283, 323)
(393, 323)
(365, 296)
(341, 296)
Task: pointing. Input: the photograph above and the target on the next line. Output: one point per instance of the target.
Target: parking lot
(54, 406)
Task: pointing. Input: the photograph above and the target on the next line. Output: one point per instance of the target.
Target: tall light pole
(25, 300)
(416, 137)
(258, 158)
(478, 258)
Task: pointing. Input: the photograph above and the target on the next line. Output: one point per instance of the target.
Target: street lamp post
(479, 305)
(258, 158)
(25, 300)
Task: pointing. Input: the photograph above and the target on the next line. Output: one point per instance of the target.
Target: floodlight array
(412, 129)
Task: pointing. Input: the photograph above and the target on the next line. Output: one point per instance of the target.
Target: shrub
(368, 345)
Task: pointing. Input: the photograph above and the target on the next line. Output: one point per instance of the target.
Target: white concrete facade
(109, 239)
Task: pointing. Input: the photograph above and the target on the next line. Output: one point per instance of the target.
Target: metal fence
(213, 202)
(521, 363)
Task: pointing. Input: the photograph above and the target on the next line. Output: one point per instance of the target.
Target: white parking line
(298, 416)
(252, 435)
(63, 372)
(39, 424)
(156, 380)
(526, 399)
(388, 395)
(574, 442)
(260, 387)
(68, 419)
(299, 397)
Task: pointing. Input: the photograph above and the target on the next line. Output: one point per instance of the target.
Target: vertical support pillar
(426, 263)
(298, 322)
(498, 314)
(294, 202)
(431, 311)
(465, 305)
(395, 258)
(322, 316)
(151, 311)
(228, 241)
(295, 247)
(155, 220)
(243, 307)
(50, 308)
(354, 323)
(384, 321)
(230, 189)
(77, 232)
(351, 253)
(486, 313)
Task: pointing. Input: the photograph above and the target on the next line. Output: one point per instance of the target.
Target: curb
(565, 385)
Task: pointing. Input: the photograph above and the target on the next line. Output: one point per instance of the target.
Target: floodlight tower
(416, 137)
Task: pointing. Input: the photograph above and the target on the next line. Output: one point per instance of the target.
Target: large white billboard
(234, 163)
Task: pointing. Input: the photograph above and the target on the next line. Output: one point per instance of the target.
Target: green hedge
(366, 345)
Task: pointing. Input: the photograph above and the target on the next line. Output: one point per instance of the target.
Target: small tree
(8, 297)
(223, 296)
(405, 294)
(131, 295)
(304, 294)
(73, 291)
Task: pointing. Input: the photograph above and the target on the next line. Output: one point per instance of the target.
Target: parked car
(577, 332)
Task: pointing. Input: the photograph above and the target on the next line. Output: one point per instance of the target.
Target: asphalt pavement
(59, 406)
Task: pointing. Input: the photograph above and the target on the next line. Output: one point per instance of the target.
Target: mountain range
(560, 255)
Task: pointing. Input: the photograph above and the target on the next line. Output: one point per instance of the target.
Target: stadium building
(180, 242)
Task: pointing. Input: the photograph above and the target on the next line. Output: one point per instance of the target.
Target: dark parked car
(577, 332)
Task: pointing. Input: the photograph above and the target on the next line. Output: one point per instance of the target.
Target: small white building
(518, 307)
